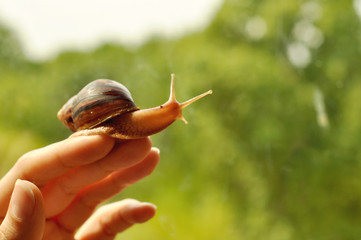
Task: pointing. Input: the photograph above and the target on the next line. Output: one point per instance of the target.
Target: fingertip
(25, 217)
(35, 190)
(96, 139)
(154, 157)
(156, 150)
(92, 147)
(141, 212)
(28, 195)
(22, 201)
(145, 142)
(137, 148)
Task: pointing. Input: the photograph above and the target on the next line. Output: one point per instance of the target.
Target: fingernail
(22, 200)
(156, 149)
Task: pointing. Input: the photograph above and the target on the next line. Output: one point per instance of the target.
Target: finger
(114, 218)
(25, 218)
(87, 200)
(42, 165)
(61, 191)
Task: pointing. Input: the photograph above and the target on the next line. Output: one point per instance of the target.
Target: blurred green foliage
(274, 153)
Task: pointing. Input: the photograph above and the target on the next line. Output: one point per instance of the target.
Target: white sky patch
(46, 27)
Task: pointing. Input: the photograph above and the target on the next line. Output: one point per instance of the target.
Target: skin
(63, 183)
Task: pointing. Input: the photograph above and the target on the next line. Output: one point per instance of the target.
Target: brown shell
(97, 102)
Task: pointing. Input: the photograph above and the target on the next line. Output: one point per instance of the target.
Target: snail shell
(106, 107)
(97, 102)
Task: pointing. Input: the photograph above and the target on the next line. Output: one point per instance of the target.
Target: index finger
(42, 165)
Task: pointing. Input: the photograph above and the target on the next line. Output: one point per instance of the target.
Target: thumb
(25, 217)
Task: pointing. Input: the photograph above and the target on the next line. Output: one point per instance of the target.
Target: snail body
(106, 107)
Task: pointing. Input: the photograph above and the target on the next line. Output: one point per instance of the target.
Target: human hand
(65, 182)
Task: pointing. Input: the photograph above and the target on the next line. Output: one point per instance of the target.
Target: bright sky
(46, 27)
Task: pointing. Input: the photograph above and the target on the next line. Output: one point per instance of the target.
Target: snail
(106, 107)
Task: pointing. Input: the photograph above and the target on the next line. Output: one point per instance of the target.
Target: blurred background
(274, 153)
